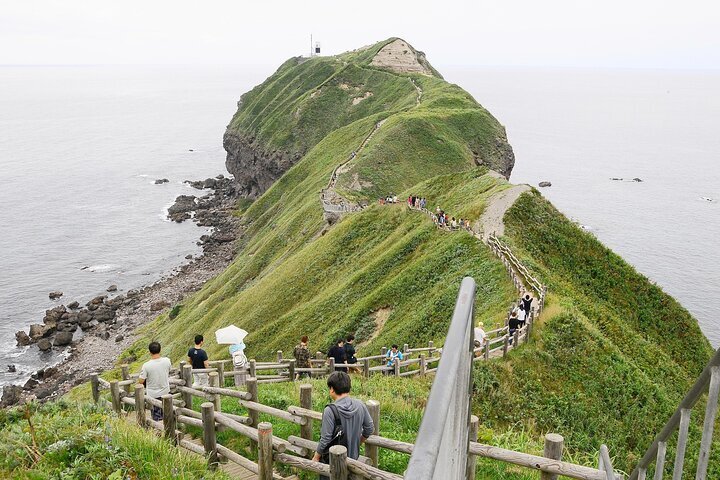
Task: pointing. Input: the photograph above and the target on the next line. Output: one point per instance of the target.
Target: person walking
(350, 352)
(527, 303)
(198, 358)
(337, 351)
(155, 375)
(513, 324)
(521, 315)
(480, 335)
(302, 355)
(346, 421)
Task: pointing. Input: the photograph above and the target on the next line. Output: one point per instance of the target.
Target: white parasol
(230, 335)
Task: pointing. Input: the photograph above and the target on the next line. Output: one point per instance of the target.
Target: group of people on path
(443, 220)
(519, 315)
(416, 202)
(343, 353)
(388, 199)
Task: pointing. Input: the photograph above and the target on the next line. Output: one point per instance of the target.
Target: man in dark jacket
(350, 351)
(337, 352)
(355, 419)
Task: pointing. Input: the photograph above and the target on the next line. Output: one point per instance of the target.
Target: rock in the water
(545, 184)
(180, 210)
(99, 300)
(636, 179)
(73, 305)
(44, 344)
(22, 338)
(119, 338)
(37, 331)
(188, 257)
(160, 181)
(62, 339)
(112, 288)
(11, 395)
(159, 305)
(12, 369)
(30, 384)
(55, 295)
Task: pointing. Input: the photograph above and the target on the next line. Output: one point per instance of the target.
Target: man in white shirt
(155, 375)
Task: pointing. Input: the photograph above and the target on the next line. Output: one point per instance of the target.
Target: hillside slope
(612, 354)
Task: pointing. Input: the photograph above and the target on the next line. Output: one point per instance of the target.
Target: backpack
(239, 359)
(338, 436)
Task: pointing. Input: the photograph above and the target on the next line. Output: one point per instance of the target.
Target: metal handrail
(687, 403)
(443, 438)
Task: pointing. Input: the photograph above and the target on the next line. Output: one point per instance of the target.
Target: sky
(680, 34)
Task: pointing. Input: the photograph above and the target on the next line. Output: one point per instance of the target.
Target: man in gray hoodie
(354, 418)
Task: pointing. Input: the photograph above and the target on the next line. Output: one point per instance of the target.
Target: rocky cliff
(280, 120)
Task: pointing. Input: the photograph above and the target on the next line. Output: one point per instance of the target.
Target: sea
(82, 146)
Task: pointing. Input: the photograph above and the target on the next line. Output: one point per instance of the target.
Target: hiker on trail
(239, 360)
(521, 315)
(155, 374)
(423, 203)
(437, 210)
(527, 303)
(513, 324)
(345, 422)
(302, 355)
(480, 335)
(453, 223)
(350, 351)
(337, 351)
(409, 201)
(198, 358)
(394, 199)
(392, 354)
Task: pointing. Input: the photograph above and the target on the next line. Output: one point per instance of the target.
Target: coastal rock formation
(255, 169)
(400, 57)
(55, 295)
(545, 184)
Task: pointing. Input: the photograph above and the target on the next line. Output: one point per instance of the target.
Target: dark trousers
(156, 413)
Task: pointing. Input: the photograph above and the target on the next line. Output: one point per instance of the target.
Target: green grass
(63, 441)
(610, 358)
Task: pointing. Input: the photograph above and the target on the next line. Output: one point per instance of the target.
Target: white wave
(103, 267)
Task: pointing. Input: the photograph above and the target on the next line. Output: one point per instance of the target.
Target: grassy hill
(612, 354)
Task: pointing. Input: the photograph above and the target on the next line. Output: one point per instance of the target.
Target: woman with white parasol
(234, 336)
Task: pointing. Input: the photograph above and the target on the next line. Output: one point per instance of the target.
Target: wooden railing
(458, 428)
(709, 380)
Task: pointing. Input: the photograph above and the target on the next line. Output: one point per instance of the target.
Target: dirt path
(491, 220)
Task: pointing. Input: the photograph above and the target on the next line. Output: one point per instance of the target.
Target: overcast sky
(598, 33)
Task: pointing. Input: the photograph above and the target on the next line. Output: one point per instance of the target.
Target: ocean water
(80, 148)
(580, 128)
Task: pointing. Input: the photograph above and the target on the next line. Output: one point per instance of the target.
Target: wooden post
(486, 351)
(306, 431)
(506, 345)
(371, 451)
(169, 420)
(279, 356)
(265, 453)
(516, 338)
(553, 449)
(383, 352)
(660, 460)
(472, 459)
(140, 405)
(431, 346)
(187, 376)
(366, 367)
(182, 364)
(291, 370)
(209, 439)
(95, 387)
(708, 423)
(406, 347)
(115, 394)
(214, 380)
(221, 374)
(338, 462)
(396, 366)
(251, 385)
(682, 443)
(251, 368)
(423, 365)
(331, 365)
(125, 376)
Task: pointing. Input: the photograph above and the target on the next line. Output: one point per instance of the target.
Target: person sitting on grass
(155, 375)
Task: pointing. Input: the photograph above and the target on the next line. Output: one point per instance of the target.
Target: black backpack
(338, 436)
